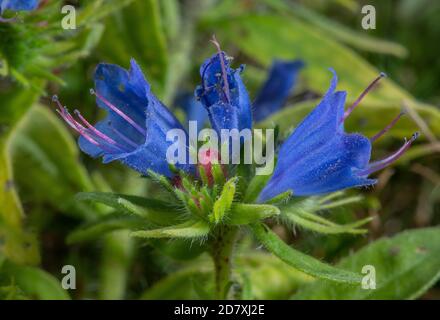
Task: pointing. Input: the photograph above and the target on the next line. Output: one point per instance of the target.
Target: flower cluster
(17, 5)
(318, 157)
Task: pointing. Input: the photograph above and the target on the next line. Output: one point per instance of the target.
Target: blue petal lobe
(330, 168)
(275, 91)
(224, 88)
(130, 92)
(319, 157)
(18, 5)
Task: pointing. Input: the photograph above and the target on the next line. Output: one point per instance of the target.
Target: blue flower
(134, 131)
(275, 91)
(18, 5)
(319, 157)
(223, 94)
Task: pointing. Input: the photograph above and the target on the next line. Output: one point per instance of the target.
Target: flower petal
(314, 131)
(275, 91)
(223, 86)
(126, 90)
(330, 168)
(130, 93)
(318, 157)
(18, 5)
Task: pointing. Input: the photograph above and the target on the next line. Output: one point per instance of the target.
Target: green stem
(116, 260)
(222, 248)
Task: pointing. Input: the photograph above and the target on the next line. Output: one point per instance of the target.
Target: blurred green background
(41, 168)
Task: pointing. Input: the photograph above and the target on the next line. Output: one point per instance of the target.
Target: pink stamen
(120, 135)
(75, 125)
(119, 112)
(62, 111)
(378, 165)
(94, 130)
(9, 20)
(223, 65)
(363, 94)
(387, 128)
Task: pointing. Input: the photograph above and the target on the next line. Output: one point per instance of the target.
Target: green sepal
(217, 173)
(189, 229)
(242, 213)
(224, 202)
(304, 213)
(281, 198)
(319, 224)
(203, 175)
(162, 180)
(156, 211)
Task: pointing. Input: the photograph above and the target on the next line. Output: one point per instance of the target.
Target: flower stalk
(221, 252)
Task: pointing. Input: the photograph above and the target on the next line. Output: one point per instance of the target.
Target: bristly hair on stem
(222, 246)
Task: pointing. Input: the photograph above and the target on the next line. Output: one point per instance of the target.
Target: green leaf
(35, 282)
(129, 28)
(360, 40)
(406, 266)
(242, 214)
(105, 224)
(56, 174)
(224, 202)
(117, 255)
(304, 213)
(301, 261)
(96, 10)
(171, 18)
(269, 277)
(326, 226)
(189, 229)
(16, 243)
(153, 210)
(265, 37)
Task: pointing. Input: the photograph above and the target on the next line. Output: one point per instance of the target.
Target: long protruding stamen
(223, 65)
(363, 94)
(9, 20)
(62, 111)
(119, 112)
(75, 125)
(387, 128)
(378, 165)
(94, 130)
(120, 135)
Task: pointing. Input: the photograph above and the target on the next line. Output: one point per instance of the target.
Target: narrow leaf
(106, 224)
(242, 214)
(34, 282)
(301, 261)
(405, 266)
(190, 229)
(156, 211)
(325, 228)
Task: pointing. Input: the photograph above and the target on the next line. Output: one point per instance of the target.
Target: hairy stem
(222, 248)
